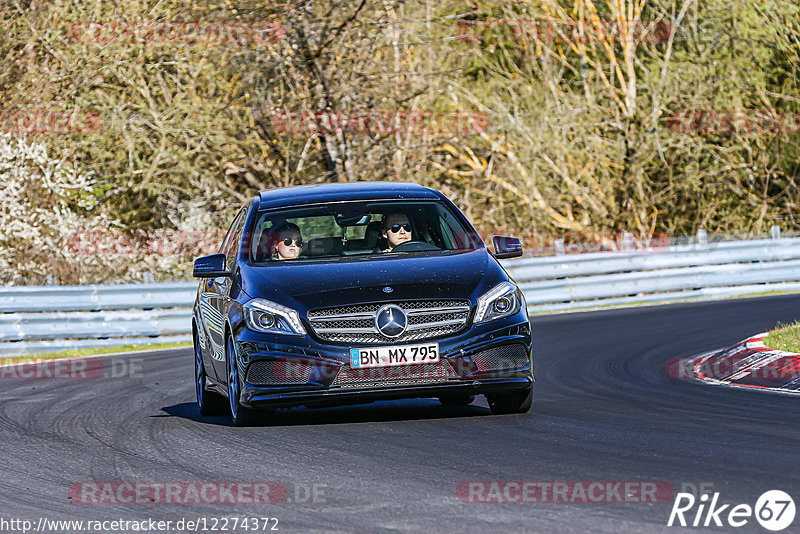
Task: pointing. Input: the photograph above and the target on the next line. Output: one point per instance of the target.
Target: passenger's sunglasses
(396, 227)
(288, 241)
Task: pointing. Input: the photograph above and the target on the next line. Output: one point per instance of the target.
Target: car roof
(340, 192)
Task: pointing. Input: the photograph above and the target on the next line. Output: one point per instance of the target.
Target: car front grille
(407, 375)
(278, 372)
(355, 325)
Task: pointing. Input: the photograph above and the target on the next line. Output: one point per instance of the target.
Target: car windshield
(344, 230)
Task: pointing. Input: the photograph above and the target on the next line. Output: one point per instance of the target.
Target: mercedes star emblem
(391, 321)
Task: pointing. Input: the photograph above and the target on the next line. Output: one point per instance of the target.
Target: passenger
(286, 242)
(396, 230)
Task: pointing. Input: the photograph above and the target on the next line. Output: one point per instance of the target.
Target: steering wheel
(414, 246)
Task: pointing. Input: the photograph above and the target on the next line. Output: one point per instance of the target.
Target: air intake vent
(278, 372)
(506, 358)
(375, 377)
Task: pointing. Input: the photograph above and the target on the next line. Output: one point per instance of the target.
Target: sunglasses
(288, 241)
(396, 227)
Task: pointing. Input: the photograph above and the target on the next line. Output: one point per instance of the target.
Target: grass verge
(785, 337)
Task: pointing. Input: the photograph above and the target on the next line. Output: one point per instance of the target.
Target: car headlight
(266, 316)
(502, 300)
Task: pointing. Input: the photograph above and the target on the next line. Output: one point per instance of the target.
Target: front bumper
(256, 399)
(309, 368)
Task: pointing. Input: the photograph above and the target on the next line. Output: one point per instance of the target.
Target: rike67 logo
(774, 510)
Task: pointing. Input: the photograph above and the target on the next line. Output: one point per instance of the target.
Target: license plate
(392, 356)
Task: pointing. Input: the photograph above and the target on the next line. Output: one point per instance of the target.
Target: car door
(213, 321)
(219, 290)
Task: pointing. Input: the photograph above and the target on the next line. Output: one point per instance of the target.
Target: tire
(457, 400)
(508, 403)
(240, 415)
(208, 402)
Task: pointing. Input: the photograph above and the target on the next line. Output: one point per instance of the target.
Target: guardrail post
(702, 237)
(627, 241)
(558, 245)
(775, 231)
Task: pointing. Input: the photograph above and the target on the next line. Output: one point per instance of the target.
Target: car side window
(230, 244)
(224, 245)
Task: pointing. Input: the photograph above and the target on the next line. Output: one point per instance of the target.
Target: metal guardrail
(92, 298)
(52, 318)
(705, 270)
(61, 325)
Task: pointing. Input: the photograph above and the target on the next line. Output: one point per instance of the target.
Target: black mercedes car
(356, 292)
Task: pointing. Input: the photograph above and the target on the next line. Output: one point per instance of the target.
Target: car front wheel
(240, 415)
(208, 402)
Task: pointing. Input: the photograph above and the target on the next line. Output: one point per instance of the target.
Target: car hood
(319, 284)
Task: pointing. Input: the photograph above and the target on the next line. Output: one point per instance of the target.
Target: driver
(286, 242)
(396, 230)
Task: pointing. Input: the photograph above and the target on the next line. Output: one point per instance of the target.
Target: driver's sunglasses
(396, 227)
(288, 241)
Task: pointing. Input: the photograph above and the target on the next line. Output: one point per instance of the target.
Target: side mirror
(210, 266)
(506, 247)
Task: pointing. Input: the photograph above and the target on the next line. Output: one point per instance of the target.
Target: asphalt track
(604, 410)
